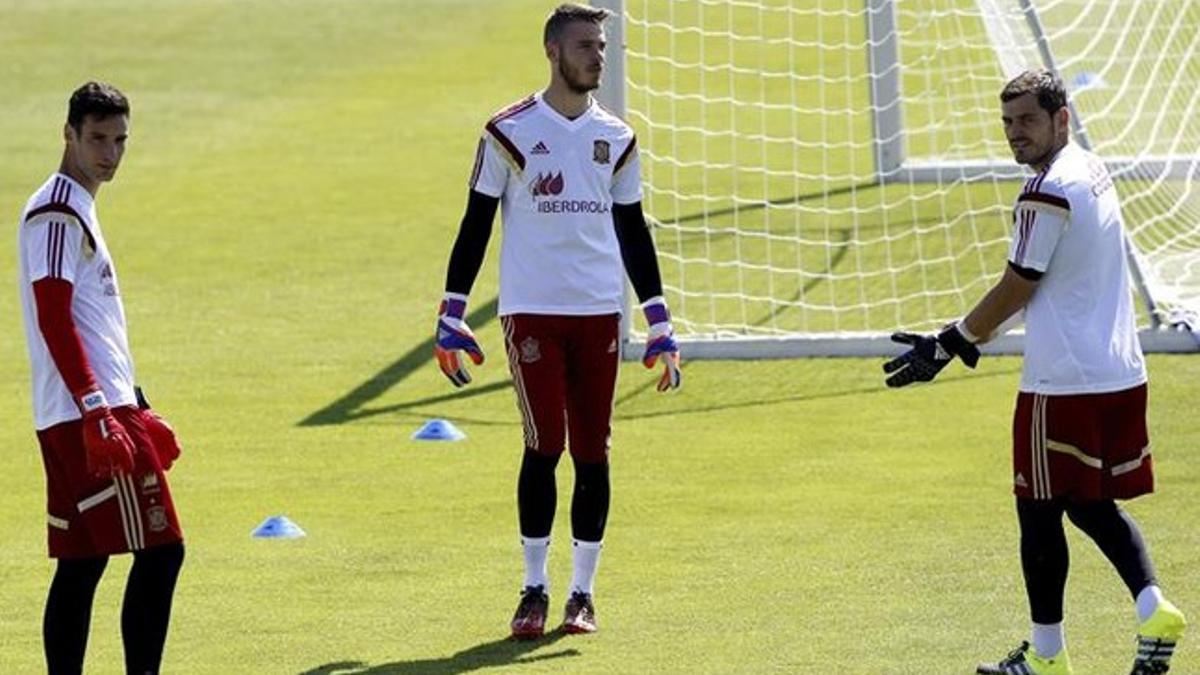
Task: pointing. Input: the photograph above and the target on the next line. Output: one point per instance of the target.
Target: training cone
(438, 430)
(278, 527)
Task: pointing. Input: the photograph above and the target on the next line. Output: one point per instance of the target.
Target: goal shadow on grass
(492, 654)
(880, 389)
(355, 404)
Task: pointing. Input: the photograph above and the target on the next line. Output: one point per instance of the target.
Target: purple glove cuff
(455, 307)
(656, 313)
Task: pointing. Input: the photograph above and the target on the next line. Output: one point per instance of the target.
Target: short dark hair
(98, 99)
(567, 13)
(1049, 89)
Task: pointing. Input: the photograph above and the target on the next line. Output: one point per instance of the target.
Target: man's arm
(641, 264)
(466, 258)
(930, 353)
(453, 335)
(109, 449)
(53, 300)
(1006, 298)
(637, 250)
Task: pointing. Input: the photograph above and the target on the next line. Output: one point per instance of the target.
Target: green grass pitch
(281, 223)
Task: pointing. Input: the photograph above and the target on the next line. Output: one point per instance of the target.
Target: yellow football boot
(1025, 661)
(1156, 640)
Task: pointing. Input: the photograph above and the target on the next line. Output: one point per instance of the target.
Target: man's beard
(572, 82)
(1045, 156)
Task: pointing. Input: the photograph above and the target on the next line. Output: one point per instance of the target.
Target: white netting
(759, 147)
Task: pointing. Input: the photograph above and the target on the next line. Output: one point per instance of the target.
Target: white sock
(536, 550)
(1048, 639)
(1147, 601)
(586, 558)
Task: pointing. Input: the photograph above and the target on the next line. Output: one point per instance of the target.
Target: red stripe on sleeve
(508, 145)
(50, 250)
(514, 109)
(475, 171)
(65, 210)
(1027, 221)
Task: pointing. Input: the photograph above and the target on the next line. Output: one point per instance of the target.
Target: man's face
(1033, 133)
(580, 56)
(96, 150)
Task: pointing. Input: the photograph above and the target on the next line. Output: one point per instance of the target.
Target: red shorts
(88, 516)
(1086, 447)
(564, 370)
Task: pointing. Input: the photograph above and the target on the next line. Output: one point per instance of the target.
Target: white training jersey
(59, 237)
(1080, 336)
(557, 180)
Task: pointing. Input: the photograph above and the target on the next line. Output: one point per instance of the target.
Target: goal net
(820, 173)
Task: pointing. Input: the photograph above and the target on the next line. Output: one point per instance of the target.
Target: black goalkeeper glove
(929, 354)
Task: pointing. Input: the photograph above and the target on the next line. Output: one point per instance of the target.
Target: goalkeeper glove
(660, 342)
(454, 336)
(928, 355)
(161, 433)
(108, 448)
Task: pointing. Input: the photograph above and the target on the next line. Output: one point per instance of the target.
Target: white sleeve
(1038, 224)
(52, 245)
(490, 173)
(627, 175)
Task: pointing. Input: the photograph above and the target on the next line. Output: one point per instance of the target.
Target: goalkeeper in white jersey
(1079, 433)
(104, 451)
(565, 173)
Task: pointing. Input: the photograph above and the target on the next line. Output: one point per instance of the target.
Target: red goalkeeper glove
(660, 343)
(161, 433)
(109, 449)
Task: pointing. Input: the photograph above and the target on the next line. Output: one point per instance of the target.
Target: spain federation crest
(531, 351)
(157, 516)
(600, 151)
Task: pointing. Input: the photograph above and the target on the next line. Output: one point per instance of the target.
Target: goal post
(820, 173)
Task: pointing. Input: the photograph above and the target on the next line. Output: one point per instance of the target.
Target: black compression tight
(537, 494)
(69, 613)
(589, 505)
(1045, 559)
(1118, 538)
(146, 611)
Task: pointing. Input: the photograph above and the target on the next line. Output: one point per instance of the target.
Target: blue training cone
(438, 430)
(277, 527)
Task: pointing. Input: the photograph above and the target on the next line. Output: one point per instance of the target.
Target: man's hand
(454, 336)
(109, 449)
(660, 343)
(161, 433)
(928, 355)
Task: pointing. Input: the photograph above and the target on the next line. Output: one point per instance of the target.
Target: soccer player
(566, 175)
(104, 451)
(1079, 433)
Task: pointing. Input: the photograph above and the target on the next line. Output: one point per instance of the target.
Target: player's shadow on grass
(502, 652)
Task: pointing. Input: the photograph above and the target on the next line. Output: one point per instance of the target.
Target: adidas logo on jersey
(1020, 481)
(540, 149)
